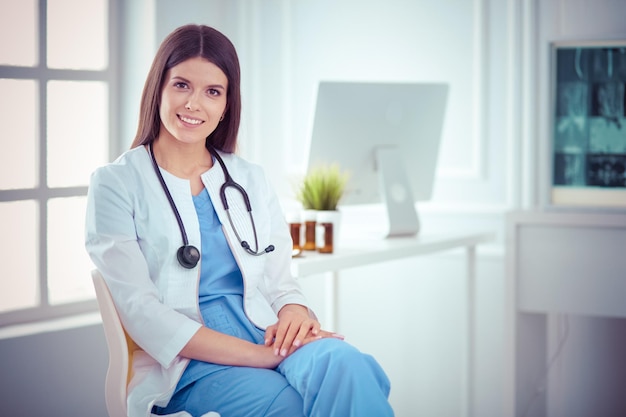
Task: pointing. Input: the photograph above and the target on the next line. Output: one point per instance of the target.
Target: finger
(304, 336)
(334, 335)
(323, 334)
(279, 339)
(289, 338)
(270, 334)
(316, 328)
(305, 330)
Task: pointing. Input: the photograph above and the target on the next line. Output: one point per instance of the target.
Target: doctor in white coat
(192, 243)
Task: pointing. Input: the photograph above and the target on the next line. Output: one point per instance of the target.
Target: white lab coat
(132, 237)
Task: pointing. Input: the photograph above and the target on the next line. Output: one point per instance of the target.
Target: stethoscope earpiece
(188, 256)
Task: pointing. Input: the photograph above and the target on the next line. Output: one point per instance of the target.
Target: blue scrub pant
(326, 378)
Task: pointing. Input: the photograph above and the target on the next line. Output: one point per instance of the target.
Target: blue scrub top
(220, 274)
(220, 289)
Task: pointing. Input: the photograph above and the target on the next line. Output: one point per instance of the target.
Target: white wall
(294, 45)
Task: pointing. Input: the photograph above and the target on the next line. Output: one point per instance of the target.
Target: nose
(191, 102)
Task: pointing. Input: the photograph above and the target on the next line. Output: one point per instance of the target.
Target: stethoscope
(188, 255)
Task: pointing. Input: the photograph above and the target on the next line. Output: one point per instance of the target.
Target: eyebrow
(183, 79)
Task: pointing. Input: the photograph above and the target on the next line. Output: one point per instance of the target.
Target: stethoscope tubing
(228, 183)
(181, 226)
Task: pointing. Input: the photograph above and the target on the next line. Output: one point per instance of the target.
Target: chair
(121, 350)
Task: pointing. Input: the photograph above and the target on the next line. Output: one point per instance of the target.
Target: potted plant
(320, 192)
(322, 188)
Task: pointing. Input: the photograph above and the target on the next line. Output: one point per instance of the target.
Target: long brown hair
(191, 41)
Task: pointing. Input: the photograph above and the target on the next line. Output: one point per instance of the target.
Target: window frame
(41, 193)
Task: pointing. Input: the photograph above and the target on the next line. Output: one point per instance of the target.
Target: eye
(214, 92)
(181, 84)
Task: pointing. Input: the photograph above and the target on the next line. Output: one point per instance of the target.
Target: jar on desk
(327, 230)
(309, 220)
(295, 228)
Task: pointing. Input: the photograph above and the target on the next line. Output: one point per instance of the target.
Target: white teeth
(190, 121)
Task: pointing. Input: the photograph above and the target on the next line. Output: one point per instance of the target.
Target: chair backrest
(121, 349)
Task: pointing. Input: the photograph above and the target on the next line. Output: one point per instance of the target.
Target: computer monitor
(387, 136)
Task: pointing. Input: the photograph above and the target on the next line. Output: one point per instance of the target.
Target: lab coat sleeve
(112, 243)
(281, 286)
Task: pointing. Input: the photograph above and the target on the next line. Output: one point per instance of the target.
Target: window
(58, 81)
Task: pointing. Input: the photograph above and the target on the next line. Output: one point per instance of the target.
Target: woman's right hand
(268, 357)
(208, 345)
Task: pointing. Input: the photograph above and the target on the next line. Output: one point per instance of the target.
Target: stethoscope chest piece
(188, 256)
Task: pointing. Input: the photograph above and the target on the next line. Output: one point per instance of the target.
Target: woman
(224, 325)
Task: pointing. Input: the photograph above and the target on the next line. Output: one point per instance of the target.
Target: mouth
(190, 120)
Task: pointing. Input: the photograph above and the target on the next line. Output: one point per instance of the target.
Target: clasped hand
(294, 328)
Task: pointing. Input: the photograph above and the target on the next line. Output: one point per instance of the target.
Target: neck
(182, 159)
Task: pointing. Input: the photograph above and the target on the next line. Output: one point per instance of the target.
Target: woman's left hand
(295, 328)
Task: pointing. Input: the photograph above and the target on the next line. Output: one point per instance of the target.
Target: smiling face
(193, 100)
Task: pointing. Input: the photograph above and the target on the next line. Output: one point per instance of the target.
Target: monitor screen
(386, 136)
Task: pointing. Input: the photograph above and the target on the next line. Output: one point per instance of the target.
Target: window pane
(69, 265)
(77, 131)
(18, 21)
(77, 34)
(19, 121)
(19, 269)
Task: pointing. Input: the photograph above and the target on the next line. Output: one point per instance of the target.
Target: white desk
(558, 262)
(354, 253)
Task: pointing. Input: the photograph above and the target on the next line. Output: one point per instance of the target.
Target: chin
(190, 139)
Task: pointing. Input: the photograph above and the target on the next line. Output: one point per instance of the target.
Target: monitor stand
(396, 193)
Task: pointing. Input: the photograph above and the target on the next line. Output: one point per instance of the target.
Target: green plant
(322, 188)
